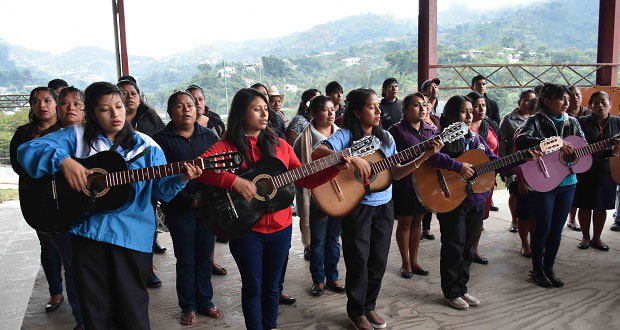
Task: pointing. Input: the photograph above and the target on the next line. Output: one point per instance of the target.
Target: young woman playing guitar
(367, 232)
(111, 249)
(551, 207)
(260, 253)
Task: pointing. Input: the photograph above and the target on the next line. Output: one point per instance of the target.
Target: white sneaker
(457, 303)
(471, 300)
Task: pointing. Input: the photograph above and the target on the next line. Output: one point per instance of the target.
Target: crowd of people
(107, 256)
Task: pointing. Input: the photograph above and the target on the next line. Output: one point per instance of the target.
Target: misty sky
(160, 27)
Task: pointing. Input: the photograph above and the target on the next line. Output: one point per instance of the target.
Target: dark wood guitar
(340, 196)
(232, 216)
(49, 204)
(442, 191)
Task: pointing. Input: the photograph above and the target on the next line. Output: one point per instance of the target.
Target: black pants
(459, 230)
(366, 236)
(111, 284)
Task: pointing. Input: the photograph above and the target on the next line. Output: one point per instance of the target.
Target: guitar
(549, 171)
(340, 196)
(231, 215)
(49, 204)
(442, 190)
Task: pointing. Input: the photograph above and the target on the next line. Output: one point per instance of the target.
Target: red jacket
(273, 221)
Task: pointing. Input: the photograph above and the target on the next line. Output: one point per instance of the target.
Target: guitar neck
(504, 161)
(303, 171)
(149, 173)
(403, 156)
(595, 147)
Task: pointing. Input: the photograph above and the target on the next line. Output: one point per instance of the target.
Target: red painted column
(427, 40)
(123, 37)
(608, 36)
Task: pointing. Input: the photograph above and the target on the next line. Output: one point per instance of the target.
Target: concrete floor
(589, 300)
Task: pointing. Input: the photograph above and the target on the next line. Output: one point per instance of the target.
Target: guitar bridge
(232, 211)
(337, 189)
(442, 184)
(543, 167)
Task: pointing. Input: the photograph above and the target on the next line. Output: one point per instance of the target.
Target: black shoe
(552, 278)
(335, 287)
(525, 254)
(316, 290)
(480, 260)
(574, 227)
(157, 248)
(540, 278)
(307, 254)
(286, 300)
(153, 281)
(421, 272)
(428, 236)
(602, 247)
(583, 245)
(493, 207)
(615, 227)
(405, 274)
(52, 307)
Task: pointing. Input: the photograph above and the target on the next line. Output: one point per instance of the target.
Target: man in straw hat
(276, 101)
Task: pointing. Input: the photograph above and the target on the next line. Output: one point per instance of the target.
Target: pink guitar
(548, 171)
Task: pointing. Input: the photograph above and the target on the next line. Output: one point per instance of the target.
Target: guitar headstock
(223, 161)
(551, 144)
(454, 132)
(365, 146)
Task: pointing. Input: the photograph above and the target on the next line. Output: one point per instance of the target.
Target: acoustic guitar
(547, 172)
(49, 204)
(231, 215)
(442, 190)
(340, 196)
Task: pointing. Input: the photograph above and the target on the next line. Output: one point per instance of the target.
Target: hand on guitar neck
(77, 175)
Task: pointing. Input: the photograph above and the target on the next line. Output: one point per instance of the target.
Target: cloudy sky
(161, 27)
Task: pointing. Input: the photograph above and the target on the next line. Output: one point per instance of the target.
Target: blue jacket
(132, 225)
(178, 148)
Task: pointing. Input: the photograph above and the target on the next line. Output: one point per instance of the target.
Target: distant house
(229, 71)
(291, 88)
(349, 61)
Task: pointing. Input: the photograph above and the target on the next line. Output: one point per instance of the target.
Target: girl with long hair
(367, 232)
(260, 253)
(112, 250)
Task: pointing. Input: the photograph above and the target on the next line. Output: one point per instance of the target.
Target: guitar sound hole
(264, 187)
(96, 182)
(569, 158)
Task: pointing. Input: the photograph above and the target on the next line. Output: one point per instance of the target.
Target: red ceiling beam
(427, 40)
(608, 36)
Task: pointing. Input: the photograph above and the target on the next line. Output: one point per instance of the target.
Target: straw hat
(273, 91)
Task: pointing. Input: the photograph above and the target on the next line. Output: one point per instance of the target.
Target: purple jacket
(405, 136)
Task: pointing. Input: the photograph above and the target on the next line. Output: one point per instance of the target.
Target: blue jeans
(324, 246)
(193, 244)
(552, 208)
(260, 258)
(56, 252)
(617, 211)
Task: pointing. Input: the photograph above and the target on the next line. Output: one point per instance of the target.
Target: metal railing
(13, 102)
(521, 75)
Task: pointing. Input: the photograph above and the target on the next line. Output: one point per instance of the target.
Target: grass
(9, 194)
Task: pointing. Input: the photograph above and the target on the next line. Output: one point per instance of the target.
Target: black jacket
(492, 109)
(147, 120)
(215, 122)
(539, 127)
(23, 134)
(177, 149)
(276, 123)
(591, 130)
(484, 129)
